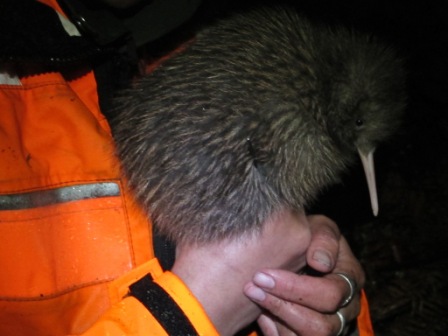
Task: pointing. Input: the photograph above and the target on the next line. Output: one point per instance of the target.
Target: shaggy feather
(258, 114)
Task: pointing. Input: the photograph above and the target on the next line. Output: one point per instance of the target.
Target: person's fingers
(348, 264)
(318, 293)
(267, 325)
(271, 326)
(323, 294)
(304, 304)
(296, 319)
(323, 251)
(327, 241)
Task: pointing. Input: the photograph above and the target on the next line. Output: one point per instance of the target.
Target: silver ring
(342, 319)
(352, 285)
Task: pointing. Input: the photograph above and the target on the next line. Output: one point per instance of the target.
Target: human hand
(306, 305)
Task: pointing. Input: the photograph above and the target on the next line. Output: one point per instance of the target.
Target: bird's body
(262, 111)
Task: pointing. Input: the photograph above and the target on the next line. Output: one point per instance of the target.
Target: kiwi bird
(262, 111)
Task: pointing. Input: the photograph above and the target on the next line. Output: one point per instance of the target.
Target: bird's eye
(359, 122)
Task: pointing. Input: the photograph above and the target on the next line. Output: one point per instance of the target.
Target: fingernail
(264, 280)
(322, 258)
(255, 293)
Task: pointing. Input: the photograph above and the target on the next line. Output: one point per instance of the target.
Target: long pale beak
(369, 170)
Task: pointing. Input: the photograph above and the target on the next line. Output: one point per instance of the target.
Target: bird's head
(367, 100)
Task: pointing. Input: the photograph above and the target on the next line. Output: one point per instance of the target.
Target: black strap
(164, 250)
(162, 307)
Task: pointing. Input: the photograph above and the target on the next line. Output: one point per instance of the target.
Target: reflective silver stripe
(59, 195)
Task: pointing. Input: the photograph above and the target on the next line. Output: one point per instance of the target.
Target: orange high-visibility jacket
(68, 228)
(71, 239)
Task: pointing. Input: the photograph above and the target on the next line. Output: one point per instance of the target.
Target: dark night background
(404, 250)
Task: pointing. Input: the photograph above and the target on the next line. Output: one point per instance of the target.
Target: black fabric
(164, 250)
(112, 75)
(144, 22)
(32, 32)
(162, 307)
(97, 22)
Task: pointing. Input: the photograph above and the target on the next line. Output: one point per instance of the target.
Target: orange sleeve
(128, 316)
(364, 322)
